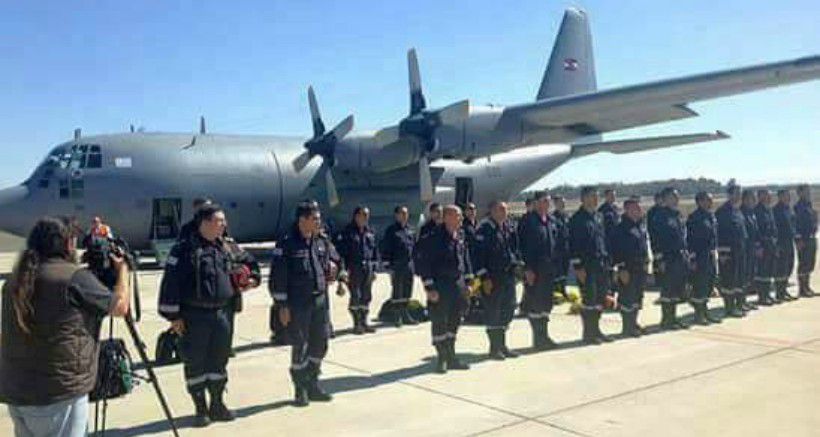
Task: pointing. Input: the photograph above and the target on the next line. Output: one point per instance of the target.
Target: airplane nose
(10, 199)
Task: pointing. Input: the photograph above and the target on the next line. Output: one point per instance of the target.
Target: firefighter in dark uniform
(611, 215)
(753, 247)
(537, 244)
(434, 217)
(766, 257)
(651, 228)
(784, 220)
(303, 265)
(805, 238)
(561, 220)
(732, 240)
(701, 237)
(397, 256)
(672, 258)
(630, 255)
(196, 295)
(497, 258)
(444, 266)
(587, 242)
(356, 244)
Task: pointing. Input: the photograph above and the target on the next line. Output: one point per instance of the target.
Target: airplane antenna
(202, 125)
(131, 128)
(77, 134)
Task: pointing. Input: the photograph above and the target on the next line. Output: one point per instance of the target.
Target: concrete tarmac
(756, 376)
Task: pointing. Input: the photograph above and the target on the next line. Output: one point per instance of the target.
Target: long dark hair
(48, 239)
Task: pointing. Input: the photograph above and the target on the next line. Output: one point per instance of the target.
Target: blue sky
(245, 65)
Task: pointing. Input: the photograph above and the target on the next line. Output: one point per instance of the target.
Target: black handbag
(114, 375)
(167, 351)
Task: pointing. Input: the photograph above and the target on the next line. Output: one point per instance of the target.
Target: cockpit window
(75, 157)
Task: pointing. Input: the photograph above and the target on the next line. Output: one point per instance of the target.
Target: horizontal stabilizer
(643, 144)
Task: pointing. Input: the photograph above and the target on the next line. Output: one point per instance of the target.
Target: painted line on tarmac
(460, 398)
(678, 378)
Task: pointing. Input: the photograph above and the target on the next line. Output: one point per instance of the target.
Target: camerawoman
(52, 309)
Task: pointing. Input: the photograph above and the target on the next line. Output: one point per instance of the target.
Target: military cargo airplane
(143, 182)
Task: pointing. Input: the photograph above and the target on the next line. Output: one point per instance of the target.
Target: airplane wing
(643, 144)
(639, 105)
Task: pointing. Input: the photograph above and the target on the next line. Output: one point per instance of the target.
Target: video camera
(98, 257)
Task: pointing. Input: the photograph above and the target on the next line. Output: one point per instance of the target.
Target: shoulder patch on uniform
(277, 251)
(171, 260)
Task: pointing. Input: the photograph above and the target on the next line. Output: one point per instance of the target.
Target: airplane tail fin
(571, 68)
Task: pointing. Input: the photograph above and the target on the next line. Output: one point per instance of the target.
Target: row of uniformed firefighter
(746, 246)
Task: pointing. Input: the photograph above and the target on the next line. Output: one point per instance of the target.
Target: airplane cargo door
(165, 219)
(166, 215)
(464, 191)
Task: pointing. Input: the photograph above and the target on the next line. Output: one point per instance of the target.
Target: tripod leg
(132, 329)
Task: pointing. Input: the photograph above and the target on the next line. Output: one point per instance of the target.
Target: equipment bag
(167, 351)
(114, 375)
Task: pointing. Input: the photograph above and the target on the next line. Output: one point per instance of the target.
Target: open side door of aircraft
(166, 217)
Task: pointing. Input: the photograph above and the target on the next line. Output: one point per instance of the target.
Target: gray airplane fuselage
(251, 176)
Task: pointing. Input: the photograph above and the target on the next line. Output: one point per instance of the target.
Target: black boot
(218, 411)
(495, 345)
(365, 323)
(300, 398)
(629, 324)
(453, 362)
(668, 317)
(441, 358)
(504, 349)
(597, 325)
(747, 304)
(589, 335)
(358, 329)
(548, 343)
(740, 300)
(729, 307)
(676, 320)
(201, 418)
(805, 290)
(700, 314)
(314, 392)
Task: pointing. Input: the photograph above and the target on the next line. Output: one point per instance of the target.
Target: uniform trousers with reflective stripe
(703, 279)
(361, 286)
(402, 282)
(784, 265)
(765, 269)
(206, 347)
(538, 297)
(308, 332)
(807, 257)
(499, 304)
(630, 295)
(446, 313)
(596, 285)
(732, 268)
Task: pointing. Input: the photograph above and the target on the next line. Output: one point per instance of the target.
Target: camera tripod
(149, 369)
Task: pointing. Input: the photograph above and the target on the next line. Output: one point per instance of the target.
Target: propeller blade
(388, 135)
(315, 116)
(417, 103)
(332, 194)
(302, 161)
(343, 128)
(425, 180)
(454, 114)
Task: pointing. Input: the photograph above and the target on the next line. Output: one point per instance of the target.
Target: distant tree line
(687, 188)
